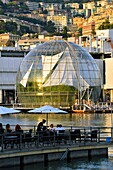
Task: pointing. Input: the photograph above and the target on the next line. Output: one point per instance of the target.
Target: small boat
(78, 111)
(81, 108)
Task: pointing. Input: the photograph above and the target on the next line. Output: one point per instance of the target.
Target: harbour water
(80, 164)
(83, 119)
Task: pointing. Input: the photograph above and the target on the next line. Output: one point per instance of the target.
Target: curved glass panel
(58, 73)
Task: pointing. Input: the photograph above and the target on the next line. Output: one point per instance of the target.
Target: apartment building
(78, 21)
(88, 28)
(32, 5)
(89, 5)
(73, 5)
(9, 36)
(8, 39)
(59, 20)
(102, 3)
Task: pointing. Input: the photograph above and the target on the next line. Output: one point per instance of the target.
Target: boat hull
(83, 111)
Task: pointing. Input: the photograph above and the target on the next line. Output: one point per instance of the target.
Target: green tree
(11, 27)
(64, 32)
(50, 27)
(105, 25)
(80, 32)
(45, 12)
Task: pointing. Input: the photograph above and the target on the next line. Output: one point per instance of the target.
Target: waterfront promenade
(74, 142)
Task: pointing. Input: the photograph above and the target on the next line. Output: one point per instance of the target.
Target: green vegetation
(32, 20)
(49, 27)
(7, 27)
(13, 6)
(106, 25)
(59, 95)
(12, 28)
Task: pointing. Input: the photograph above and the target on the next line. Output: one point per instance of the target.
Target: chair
(94, 135)
(52, 136)
(72, 135)
(45, 137)
(60, 135)
(75, 135)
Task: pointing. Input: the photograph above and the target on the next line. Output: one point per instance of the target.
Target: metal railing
(31, 139)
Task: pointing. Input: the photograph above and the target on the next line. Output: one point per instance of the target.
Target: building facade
(10, 59)
(59, 20)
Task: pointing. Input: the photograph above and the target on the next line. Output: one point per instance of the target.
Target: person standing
(41, 126)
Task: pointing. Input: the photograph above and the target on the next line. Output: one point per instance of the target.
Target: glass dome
(58, 73)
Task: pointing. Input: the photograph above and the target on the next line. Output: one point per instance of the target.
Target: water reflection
(65, 119)
(75, 164)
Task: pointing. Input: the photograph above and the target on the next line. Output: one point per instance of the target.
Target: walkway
(74, 142)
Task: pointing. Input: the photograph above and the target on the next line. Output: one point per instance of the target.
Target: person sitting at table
(59, 128)
(1, 129)
(18, 129)
(8, 132)
(8, 129)
(51, 128)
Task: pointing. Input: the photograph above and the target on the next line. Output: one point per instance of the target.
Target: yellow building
(88, 28)
(102, 3)
(9, 36)
(98, 19)
(101, 15)
(73, 5)
(29, 43)
(78, 21)
(7, 39)
(59, 20)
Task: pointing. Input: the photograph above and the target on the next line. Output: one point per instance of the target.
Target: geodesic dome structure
(58, 73)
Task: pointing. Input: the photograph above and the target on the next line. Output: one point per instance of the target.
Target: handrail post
(84, 135)
(98, 137)
(20, 141)
(111, 133)
(2, 143)
(34, 130)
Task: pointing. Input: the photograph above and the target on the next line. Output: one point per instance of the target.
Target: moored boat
(82, 108)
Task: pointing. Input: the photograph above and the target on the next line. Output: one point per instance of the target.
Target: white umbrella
(5, 110)
(47, 109)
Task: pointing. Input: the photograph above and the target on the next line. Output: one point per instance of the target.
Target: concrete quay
(53, 153)
(22, 149)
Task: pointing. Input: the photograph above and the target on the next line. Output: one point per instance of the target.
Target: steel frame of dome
(58, 73)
